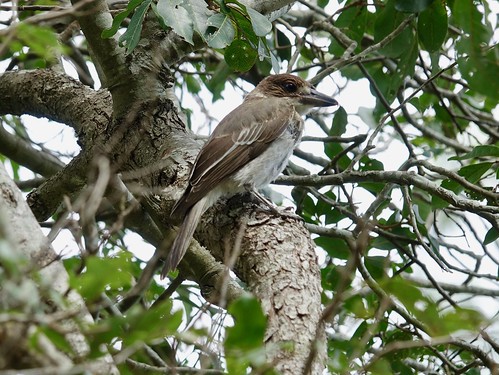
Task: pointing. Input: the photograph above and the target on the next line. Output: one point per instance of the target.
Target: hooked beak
(317, 99)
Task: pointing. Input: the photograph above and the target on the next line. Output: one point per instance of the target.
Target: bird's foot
(288, 212)
(283, 212)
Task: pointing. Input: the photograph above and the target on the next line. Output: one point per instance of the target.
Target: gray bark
(22, 234)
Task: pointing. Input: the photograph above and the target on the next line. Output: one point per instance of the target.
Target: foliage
(409, 253)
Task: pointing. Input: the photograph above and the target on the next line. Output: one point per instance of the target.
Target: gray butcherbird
(246, 151)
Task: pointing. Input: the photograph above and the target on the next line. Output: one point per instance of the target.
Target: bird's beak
(317, 99)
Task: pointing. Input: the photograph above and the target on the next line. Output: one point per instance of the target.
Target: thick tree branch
(278, 263)
(55, 96)
(106, 53)
(26, 237)
(24, 154)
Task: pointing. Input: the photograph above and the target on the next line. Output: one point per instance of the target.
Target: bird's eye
(289, 86)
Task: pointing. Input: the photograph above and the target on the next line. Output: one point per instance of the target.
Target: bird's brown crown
(298, 92)
(280, 86)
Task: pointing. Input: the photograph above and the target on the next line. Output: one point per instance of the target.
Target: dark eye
(289, 86)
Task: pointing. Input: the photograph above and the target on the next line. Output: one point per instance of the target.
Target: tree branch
(106, 53)
(24, 154)
(25, 237)
(490, 213)
(55, 96)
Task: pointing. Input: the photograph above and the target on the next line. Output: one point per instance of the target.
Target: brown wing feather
(230, 147)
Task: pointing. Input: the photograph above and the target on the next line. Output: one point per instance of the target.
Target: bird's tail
(184, 236)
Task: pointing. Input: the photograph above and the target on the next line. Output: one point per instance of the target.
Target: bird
(248, 149)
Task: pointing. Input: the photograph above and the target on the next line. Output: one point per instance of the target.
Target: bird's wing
(239, 138)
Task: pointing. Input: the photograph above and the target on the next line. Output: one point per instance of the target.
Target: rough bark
(58, 97)
(21, 230)
(278, 263)
(280, 266)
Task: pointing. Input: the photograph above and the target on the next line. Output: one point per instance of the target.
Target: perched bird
(246, 151)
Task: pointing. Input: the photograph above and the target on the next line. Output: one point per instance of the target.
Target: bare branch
(24, 154)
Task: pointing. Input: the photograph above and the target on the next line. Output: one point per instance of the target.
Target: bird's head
(300, 93)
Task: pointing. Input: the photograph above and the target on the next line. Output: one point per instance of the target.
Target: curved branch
(55, 96)
(24, 154)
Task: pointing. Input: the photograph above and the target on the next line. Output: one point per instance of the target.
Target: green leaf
(477, 59)
(434, 245)
(335, 247)
(353, 22)
(460, 319)
(192, 84)
(382, 243)
(438, 203)
(98, 279)
(362, 328)
(376, 266)
(42, 41)
(404, 290)
(148, 325)
(334, 216)
(56, 338)
(474, 172)
(491, 236)
(478, 152)
(261, 25)
(432, 26)
(331, 149)
(331, 276)
(380, 367)
(323, 207)
(244, 25)
(249, 326)
(283, 46)
(307, 54)
(405, 67)
(422, 307)
(331, 214)
(413, 6)
(119, 18)
(386, 22)
(373, 187)
(340, 122)
(240, 56)
(224, 34)
(471, 173)
(131, 36)
(368, 164)
(176, 16)
(199, 13)
(276, 66)
(217, 82)
(356, 306)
